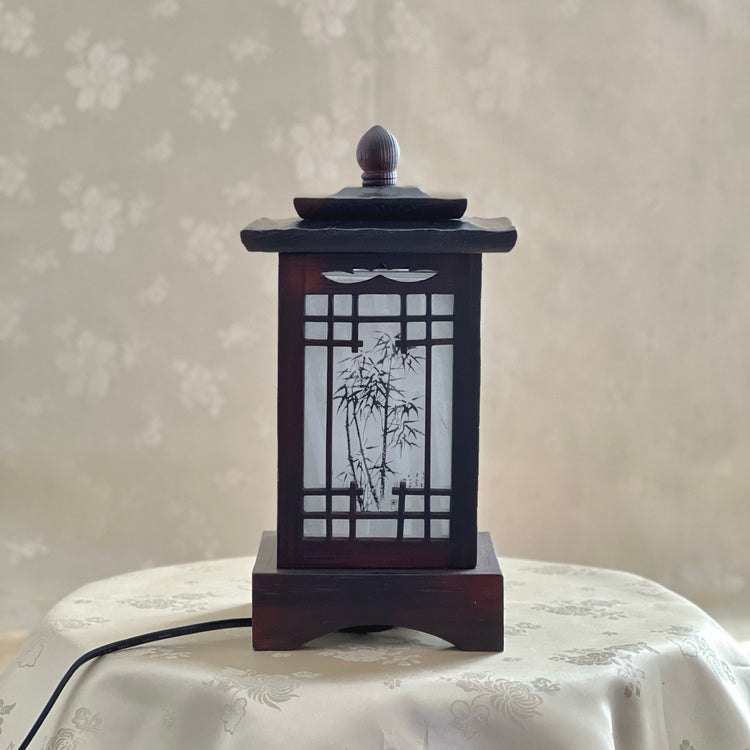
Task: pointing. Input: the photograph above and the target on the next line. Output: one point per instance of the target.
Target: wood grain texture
(293, 606)
(459, 275)
(467, 235)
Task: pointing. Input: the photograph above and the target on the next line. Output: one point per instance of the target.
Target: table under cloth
(594, 659)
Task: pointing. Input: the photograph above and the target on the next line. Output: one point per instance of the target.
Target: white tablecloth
(594, 659)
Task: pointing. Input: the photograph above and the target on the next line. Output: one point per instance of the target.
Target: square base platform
(294, 605)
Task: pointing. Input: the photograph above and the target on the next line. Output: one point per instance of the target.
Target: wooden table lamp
(378, 416)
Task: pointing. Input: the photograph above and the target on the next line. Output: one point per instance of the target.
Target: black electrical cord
(137, 640)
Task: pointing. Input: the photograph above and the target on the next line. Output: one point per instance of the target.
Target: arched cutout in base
(292, 606)
(365, 629)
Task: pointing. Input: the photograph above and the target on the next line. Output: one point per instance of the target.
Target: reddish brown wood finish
(293, 606)
(467, 235)
(301, 274)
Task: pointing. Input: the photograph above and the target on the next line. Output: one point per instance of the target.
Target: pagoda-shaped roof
(380, 217)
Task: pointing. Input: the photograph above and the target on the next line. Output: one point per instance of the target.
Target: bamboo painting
(381, 416)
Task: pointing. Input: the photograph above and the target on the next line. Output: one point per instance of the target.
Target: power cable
(137, 640)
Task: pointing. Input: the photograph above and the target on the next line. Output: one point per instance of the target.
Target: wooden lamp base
(294, 605)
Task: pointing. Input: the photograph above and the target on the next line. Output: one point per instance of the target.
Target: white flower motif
(143, 67)
(449, 121)
(708, 574)
(255, 47)
(162, 652)
(165, 8)
(318, 145)
(233, 713)
(40, 262)
(102, 77)
(721, 19)
(11, 315)
(232, 479)
(275, 138)
(33, 406)
(194, 531)
(207, 243)
(27, 549)
(72, 187)
(151, 436)
(500, 79)
(85, 721)
(5, 709)
(211, 99)
(245, 191)
(361, 71)
(363, 654)
(410, 33)
(569, 8)
(103, 73)
(199, 386)
(138, 209)
(66, 328)
(30, 654)
(163, 149)
(17, 31)
(322, 20)
(237, 335)
(130, 353)
(96, 220)
(385, 655)
(156, 292)
(89, 363)
(76, 43)
(61, 624)
(45, 119)
(14, 173)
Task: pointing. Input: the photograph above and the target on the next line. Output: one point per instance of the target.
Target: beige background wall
(137, 338)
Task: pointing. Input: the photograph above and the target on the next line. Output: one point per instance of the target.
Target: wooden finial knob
(377, 155)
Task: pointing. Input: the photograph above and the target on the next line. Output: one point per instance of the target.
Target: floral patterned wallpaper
(137, 337)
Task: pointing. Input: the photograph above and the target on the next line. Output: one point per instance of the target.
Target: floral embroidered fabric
(594, 659)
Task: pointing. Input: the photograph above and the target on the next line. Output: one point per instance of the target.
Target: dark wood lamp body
(424, 566)
(293, 605)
